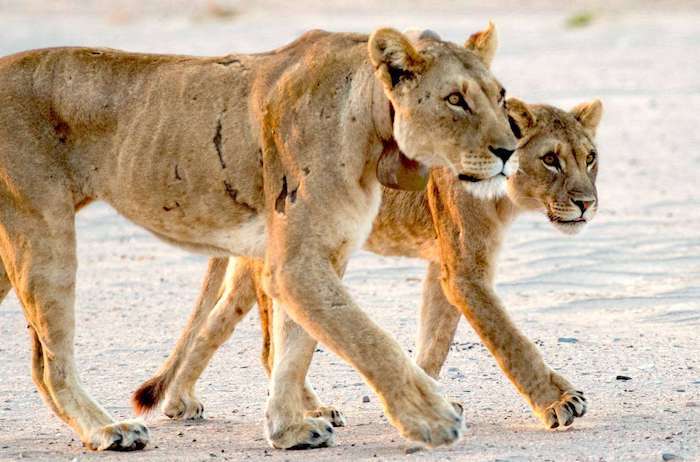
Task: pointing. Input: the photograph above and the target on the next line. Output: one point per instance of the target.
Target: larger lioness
(270, 156)
(459, 236)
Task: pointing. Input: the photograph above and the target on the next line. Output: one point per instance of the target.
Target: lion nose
(502, 153)
(583, 204)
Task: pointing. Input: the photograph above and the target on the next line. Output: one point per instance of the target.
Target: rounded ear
(520, 117)
(589, 114)
(394, 57)
(416, 35)
(484, 44)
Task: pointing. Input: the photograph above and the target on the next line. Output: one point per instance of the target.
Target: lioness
(272, 156)
(459, 236)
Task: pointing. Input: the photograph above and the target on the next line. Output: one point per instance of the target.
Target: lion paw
(427, 418)
(334, 416)
(309, 434)
(120, 436)
(562, 413)
(183, 407)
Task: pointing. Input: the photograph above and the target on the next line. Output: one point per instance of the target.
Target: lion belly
(248, 238)
(170, 145)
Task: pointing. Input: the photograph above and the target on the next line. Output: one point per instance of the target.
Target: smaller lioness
(460, 237)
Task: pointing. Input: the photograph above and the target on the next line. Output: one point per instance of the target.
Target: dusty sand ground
(628, 289)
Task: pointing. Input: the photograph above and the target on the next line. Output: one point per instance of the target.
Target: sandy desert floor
(627, 289)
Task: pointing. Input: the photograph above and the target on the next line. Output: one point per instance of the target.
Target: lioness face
(558, 162)
(449, 109)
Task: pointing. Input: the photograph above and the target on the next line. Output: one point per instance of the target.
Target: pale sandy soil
(628, 289)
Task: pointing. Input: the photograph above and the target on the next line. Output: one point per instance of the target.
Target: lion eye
(456, 99)
(502, 97)
(591, 158)
(551, 160)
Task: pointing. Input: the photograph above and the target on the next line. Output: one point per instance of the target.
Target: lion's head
(449, 108)
(558, 162)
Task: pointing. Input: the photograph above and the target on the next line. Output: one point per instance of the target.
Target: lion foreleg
(467, 268)
(5, 284)
(314, 296)
(553, 398)
(437, 325)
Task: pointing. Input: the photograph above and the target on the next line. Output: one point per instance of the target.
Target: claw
(569, 421)
(570, 407)
(117, 443)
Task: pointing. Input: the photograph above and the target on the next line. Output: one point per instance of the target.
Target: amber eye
(550, 159)
(591, 158)
(456, 99)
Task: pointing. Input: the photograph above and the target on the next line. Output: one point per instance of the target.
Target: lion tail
(151, 392)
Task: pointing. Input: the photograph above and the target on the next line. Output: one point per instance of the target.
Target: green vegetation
(580, 19)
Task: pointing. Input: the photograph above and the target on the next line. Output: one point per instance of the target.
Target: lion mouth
(468, 178)
(568, 226)
(473, 179)
(568, 222)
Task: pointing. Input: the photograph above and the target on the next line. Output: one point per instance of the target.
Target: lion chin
(491, 188)
(569, 227)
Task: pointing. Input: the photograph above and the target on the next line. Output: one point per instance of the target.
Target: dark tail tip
(148, 395)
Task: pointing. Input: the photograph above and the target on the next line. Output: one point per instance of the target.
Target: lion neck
(382, 116)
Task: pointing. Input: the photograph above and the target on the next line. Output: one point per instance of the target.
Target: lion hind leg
(152, 391)
(38, 370)
(288, 425)
(329, 413)
(311, 402)
(238, 298)
(40, 258)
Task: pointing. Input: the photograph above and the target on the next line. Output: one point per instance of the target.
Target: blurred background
(627, 290)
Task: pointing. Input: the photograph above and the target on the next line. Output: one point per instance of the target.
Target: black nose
(583, 204)
(502, 153)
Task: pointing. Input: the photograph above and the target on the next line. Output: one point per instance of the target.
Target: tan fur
(269, 156)
(460, 236)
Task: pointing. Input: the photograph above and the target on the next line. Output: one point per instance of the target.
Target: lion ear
(394, 57)
(520, 117)
(589, 114)
(484, 44)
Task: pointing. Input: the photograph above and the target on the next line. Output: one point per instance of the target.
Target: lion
(274, 156)
(459, 236)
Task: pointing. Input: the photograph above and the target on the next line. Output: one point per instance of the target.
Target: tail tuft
(148, 395)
